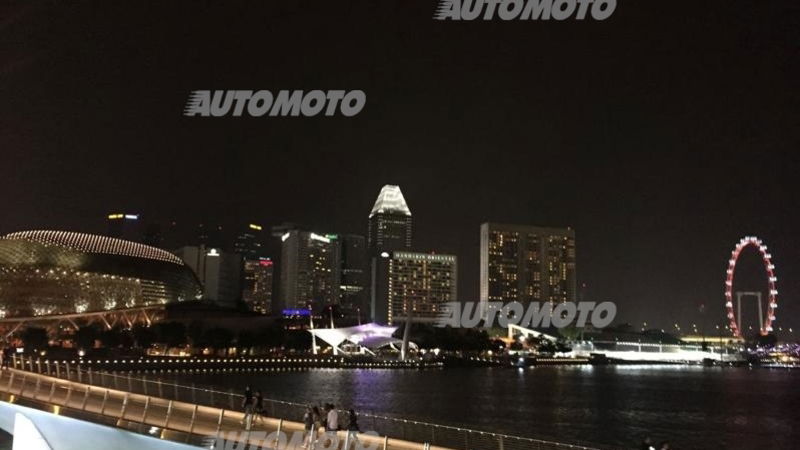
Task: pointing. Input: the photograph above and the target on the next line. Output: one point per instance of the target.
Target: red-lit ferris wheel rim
(773, 291)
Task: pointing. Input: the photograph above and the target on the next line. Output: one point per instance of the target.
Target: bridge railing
(437, 435)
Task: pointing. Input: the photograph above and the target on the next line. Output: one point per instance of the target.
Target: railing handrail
(302, 405)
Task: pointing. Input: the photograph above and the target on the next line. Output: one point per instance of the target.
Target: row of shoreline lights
(237, 360)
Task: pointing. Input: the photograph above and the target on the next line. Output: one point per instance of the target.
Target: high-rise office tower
(390, 224)
(309, 270)
(248, 242)
(527, 264)
(125, 226)
(390, 228)
(414, 283)
(219, 272)
(209, 236)
(351, 254)
(257, 285)
(257, 270)
(152, 235)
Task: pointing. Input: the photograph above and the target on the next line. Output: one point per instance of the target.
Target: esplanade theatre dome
(59, 272)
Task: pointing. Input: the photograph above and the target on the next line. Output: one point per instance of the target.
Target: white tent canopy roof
(369, 335)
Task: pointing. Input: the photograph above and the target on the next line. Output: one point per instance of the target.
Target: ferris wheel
(772, 297)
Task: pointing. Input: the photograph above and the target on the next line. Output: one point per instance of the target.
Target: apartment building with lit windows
(414, 283)
(527, 264)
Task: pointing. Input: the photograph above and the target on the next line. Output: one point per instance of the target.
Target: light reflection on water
(692, 407)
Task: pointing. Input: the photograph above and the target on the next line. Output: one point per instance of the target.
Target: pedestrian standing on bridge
(308, 424)
(247, 406)
(258, 406)
(332, 423)
(312, 421)
(352, 430)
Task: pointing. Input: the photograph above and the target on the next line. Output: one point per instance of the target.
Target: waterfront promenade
(189, 414)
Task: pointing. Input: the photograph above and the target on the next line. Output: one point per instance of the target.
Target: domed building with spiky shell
(47, 273)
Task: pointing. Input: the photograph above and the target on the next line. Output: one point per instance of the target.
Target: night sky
(662, 135)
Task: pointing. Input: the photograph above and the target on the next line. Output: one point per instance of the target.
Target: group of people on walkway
(316, 420)
(253, 406)
(327, 420)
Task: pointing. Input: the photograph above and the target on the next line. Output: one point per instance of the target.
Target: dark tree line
(451, 339)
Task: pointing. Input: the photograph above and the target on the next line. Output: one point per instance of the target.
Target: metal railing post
(230, 396)
(69, 394)
(124, 406)
(52, 392)
(144, 412)
(278, 434)
(103, 405)
(47, 366)
(219, 422)
(160, 389)
(130, 386)
(169, 412)
(38, 385)
(22, 388)
(385, 442)
(86, 398)
(58, 370)
(91, 381)
(194, 416)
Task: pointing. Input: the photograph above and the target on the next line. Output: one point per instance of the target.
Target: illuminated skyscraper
(219, 271)
(416, 283)
(390, 228)
(309, 270)
(124, 226)
(209, 236)
(257, 285)
(527, 264)
(248, 242)
(390, 224)
(351, 253)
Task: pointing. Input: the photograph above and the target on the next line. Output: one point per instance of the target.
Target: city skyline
(231, 241)
(660, 166)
